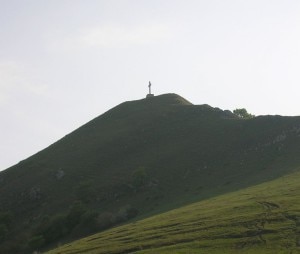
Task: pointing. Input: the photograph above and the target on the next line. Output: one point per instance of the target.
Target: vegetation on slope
(139, 159)
(260, 219)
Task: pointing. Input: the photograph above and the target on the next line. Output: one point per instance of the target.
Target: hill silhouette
(140, 158)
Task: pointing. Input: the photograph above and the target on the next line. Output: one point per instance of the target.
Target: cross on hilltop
(149, 94)
(149, 87)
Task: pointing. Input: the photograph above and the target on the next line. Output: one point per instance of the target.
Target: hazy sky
(64, 62)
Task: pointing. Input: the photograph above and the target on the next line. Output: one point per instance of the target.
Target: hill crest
(142, 157)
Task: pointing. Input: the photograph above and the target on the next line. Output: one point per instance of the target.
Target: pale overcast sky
(64, 62)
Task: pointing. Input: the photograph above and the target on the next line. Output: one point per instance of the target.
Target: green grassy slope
(259, 219)
(150, 155)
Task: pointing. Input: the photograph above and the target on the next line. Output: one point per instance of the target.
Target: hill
(261, 219)
(138, 159)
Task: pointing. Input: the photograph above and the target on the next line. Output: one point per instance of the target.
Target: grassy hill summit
(138, 159)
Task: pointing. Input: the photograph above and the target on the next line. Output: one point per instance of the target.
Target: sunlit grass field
(261, 219)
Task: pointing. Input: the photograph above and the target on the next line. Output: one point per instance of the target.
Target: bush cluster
(78, 222)
(5, 221)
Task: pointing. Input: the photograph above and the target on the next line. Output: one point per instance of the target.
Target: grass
(189, 153)
(261, 219)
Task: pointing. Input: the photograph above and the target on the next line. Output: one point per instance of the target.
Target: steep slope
(260, 219)
(141, 157)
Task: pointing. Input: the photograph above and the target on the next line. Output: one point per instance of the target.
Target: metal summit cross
(149, 94)
(149, 87)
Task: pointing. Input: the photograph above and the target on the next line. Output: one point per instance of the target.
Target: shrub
(125, 213)
(89, 220)
(139, 178)
(87, 225)
(5, 221)
(85, 191)
(74, 216)
(242, 113)
(36, 242)
(55, 229)
(3, 232)
(105, 220)
(5, 218)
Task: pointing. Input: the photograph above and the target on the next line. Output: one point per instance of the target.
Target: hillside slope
(139, 158)
(260, 219)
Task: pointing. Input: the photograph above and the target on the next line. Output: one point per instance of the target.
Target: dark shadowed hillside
(139, 158)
